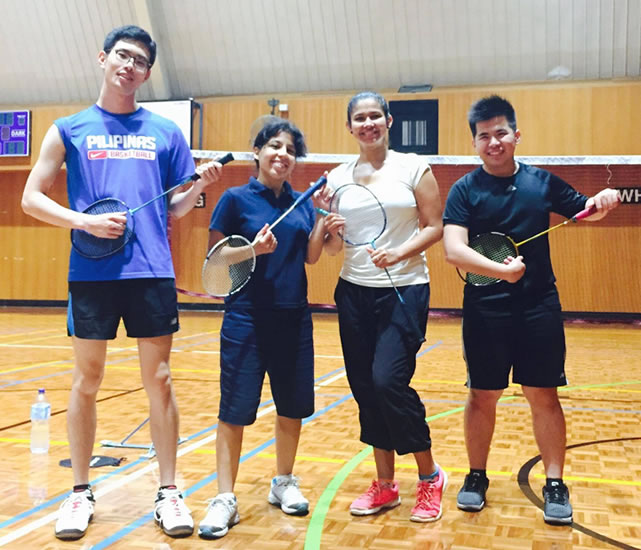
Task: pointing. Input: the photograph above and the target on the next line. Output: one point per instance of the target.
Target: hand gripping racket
(497, 247)
(365, 221)
(90, 246)
(231, 261)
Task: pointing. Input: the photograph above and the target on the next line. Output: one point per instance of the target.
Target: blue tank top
(132, 157)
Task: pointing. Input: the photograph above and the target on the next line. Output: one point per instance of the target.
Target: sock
(481, 473)
(81, 488)
(551, 481)
(428, 477)
(167, 487)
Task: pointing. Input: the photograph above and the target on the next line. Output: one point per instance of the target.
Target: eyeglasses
(141, 64)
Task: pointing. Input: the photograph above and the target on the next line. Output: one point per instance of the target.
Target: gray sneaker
(284, 492)
(471, 497)
(222, 513)
(557, 509)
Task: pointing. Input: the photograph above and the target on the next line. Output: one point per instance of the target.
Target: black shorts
(148, 308)
(504, 333)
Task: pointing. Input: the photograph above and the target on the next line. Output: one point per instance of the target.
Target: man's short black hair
(131, 33)
(488, 108)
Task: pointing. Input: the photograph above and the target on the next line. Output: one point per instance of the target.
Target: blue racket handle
(319, 183)
(322, 211)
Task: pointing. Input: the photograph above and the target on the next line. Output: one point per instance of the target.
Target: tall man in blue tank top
(515, 324)
(117, 149)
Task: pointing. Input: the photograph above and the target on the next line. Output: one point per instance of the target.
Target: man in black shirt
(515, 324)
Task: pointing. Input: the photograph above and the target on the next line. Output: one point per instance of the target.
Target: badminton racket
(498, 247)
(90, 246)
(230, 263)
(365, 222)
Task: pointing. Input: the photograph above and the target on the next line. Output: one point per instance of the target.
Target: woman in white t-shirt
(379, 345)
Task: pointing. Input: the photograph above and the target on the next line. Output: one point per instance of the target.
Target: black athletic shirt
(518, 206)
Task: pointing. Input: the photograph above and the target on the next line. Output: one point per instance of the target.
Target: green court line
(605, 384)
(315, 528)
(316, 522)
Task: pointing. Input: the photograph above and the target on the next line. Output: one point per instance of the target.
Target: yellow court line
(34, 346)
(24, 334)
(596, 480)
(308, 458)
(26, 342)
(37, 365)
(516, 386)
(491, 473)
(173, 369)
(27, 441)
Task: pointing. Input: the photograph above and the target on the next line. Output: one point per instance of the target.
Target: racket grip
(322, 211)
(225, 159)
(584, 213)
(319, 183)
(222, 160)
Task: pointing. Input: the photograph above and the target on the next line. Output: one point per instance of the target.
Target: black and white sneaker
(557, 509)
(471, 497)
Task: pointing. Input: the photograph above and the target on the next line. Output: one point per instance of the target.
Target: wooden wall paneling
(577, 118)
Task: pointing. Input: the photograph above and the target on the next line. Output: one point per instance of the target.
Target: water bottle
(40, 414)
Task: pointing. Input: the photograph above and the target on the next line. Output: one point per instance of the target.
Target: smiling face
(368, 123)
(276, 159)
(124, 67)
(496, 142)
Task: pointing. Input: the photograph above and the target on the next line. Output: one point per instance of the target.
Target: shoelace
(215, 502)
(474, 483)
(75, 503)
(173, 501)
(424, 496)
(556, 494)
(374, 490)
(290, 482)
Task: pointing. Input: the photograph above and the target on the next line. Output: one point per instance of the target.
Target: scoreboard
(15, 133)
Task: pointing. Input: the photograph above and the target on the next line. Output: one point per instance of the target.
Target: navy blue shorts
(148, 308)
(276, 342)
(504, 334)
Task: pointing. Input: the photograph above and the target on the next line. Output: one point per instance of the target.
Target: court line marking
(36, 524)
(317, 521)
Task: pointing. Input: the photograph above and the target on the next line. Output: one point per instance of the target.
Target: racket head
(494, 246)
(89, 245)
(228, 266)
(365, 217)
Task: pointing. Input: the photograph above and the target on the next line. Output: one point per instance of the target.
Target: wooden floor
(602, 405)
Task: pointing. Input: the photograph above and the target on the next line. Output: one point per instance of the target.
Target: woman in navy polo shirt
(267, 327)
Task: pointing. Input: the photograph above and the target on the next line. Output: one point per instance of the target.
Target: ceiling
(48, 48)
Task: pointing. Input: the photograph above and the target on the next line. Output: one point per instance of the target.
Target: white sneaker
(74, 516)
(285, 493)
(222, 513)
(172, 514)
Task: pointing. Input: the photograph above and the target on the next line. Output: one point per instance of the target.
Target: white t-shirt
(393, 184)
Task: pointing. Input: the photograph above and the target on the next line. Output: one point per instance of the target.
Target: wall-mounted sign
(15, 133)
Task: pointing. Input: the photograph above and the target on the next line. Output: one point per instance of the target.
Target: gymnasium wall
(594, 263)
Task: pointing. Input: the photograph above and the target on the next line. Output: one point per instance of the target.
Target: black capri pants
(380, 360)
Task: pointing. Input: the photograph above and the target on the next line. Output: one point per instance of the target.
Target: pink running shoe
(429, 497)
(377, 497)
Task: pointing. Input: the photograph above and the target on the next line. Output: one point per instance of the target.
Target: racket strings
(228, 267)
(493, 246)
(365, 218)
(98, 247)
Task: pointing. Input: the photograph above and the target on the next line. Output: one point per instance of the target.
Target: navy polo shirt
(518, 206)
(279, 280)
